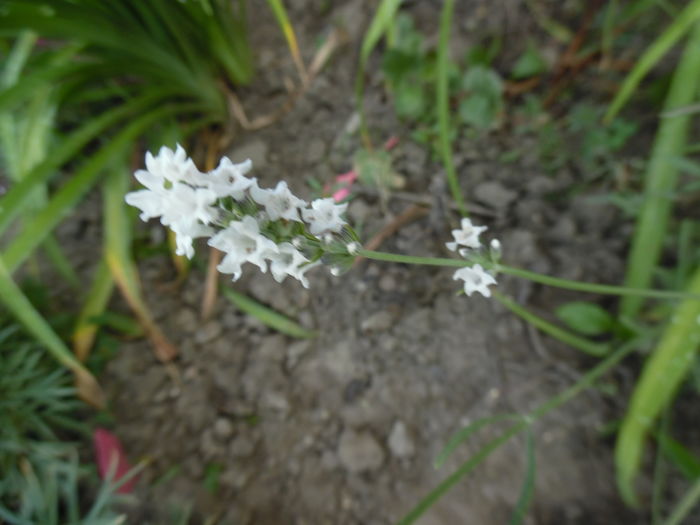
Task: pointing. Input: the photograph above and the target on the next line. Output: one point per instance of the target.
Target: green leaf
(266, 315)
(585, 318)
(477, 111)
(529, 64)
(410, 100)
(664, 371)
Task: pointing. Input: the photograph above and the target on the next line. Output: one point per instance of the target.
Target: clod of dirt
(359, 451)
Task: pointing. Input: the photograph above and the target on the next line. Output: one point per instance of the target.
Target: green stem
(567, 284)
(586, 346)
(443, 95)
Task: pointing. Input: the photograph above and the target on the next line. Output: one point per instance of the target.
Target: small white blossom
(325, 216)
(279, 203)
(289, 261)
(179, 207)
(467, 236)
(242, 242)
(185, 232)
(173, 166)
(476, 279)
(353, 248)
(229, 179)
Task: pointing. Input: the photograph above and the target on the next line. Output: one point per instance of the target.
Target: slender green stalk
(662, 174)
(685, 505)
(443, 102)
(586, 346)
(605, 289)
(584, 383)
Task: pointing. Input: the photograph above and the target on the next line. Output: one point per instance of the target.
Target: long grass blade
(527, 491)
(474, 461)
(464, 434)
(288, 31)
(61, 262)
(661, 176)
(443, 104)
(381, 21)
(663, 373)
(685, 505)
(118, 229)
(679, 27)
(17, 303)
(267, 316)
(36, 230)
(95, 303)
(15, 200)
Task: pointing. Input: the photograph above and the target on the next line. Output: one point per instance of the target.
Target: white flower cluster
(248, 223)
(475, 278)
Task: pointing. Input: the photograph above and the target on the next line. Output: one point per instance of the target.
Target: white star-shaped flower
(279, 203)
(242, 242)
(229, 179)
(289, 262)
(174, 166)
(467, 236)
(185, 232)
(325, 216)
(476, 279)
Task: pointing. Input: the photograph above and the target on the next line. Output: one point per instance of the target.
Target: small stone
(223, 428)
(359, 451)
(242, 446)
(208, 332)
(494, 194)
(400, 442)
(378, 322)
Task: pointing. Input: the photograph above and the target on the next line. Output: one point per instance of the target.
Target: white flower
(229, 179)
(467, 236)
(279, 203)
(476, 279)
(324, 216)
(289, 261)
(180, 207)
(185, 201)
(353, 248)
(242, 242)
(173, 166)
(185, 232)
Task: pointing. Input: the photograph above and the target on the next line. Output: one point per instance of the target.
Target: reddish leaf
(111, 460)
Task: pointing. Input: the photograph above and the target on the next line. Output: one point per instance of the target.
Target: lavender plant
(269, 227)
